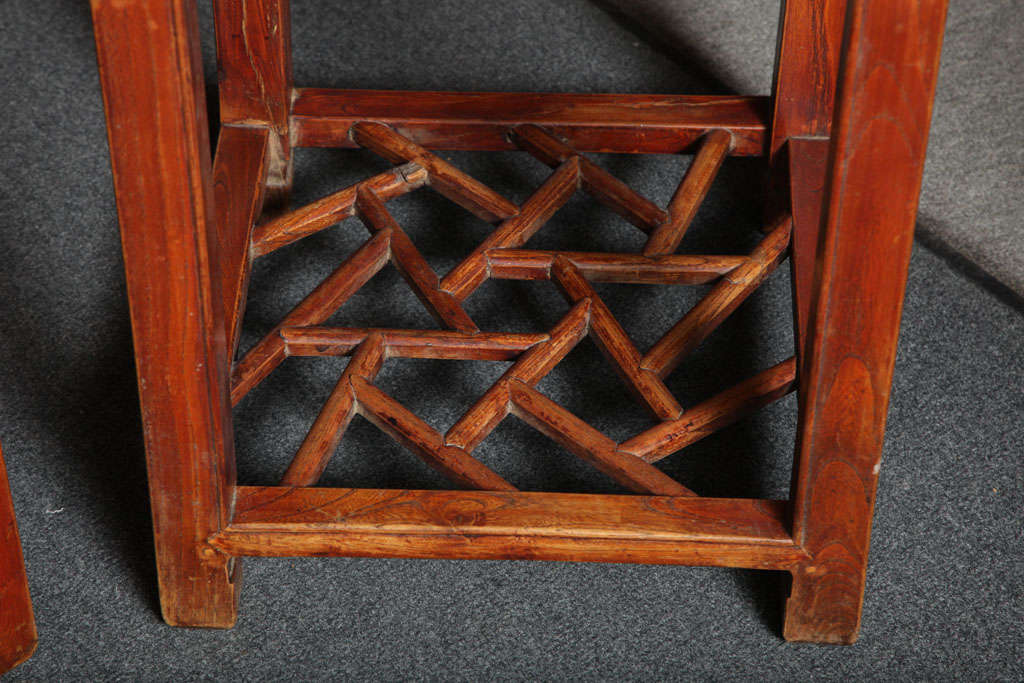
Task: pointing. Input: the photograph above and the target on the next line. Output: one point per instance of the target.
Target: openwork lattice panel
(503, 255)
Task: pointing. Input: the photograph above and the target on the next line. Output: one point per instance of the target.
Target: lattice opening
(315, 327)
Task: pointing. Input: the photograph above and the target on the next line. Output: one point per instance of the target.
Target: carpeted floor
(945, 595)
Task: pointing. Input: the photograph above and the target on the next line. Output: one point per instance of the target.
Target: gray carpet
(945, 593)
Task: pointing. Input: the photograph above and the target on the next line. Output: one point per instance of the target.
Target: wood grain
(437, 344)
(321, 303)
(561, 426)
(239, 180)
(806, 68)
(808, 164)
(708, 417)
(883, 110)
(724, 298)
(397, 421)
(480, 121)
(325, 212)
(445, 308)
(151, 75)
(464, 190)
(526, 264)
(615, 344)
(254, 68)
(277, 521)
(690, 194)
(603, 186)
(468, 275)
(491, 408)
(325, 434)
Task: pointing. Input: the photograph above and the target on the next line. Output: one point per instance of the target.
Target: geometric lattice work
(502, 256)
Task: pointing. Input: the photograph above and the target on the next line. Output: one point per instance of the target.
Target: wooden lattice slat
(559, 424)
(690, 194)
(723, 299)
(467, 192)
(600, 184)
(501, 255)
(329, 210)
(325, 434)
(392, 417)
(536, 211)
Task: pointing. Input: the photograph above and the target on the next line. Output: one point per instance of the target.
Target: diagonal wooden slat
(484, 415)
(414, 268)
(403, 426)
(325, 434)
(438, 344)
(717, 412)
(584, 441)
(720, 302)
(329, 295)
(597, 182)
(239, 181)
(537, 210)
(327, 211)
(714, 148)
(464, 190)
(615, 343)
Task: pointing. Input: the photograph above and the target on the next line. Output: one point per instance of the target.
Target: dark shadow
(669, 40)
(965, 267)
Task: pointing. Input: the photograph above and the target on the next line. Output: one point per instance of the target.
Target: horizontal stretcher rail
(646, 124)
(283, 521)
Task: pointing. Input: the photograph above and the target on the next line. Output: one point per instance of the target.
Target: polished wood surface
(883, 110)
(590, 122)
(843, 136)
(279, 521)
(150, 71)
(17, 623)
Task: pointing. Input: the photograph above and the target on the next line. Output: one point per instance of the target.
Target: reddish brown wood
(704, 419)
(277, 521)
(17, 623)
(524, 264)
(464, 278)
(808, 159)
(806, 65)
(603, 186)
(493, 406)
(692, 189)
(440, 344)
(254, 67)
(239, 179)
(723, 299)
(324, 436)
(445, 308)
(392, 417)
(333, 208)
(313, 310)
(559, 425)
(151, 73)
(883, 110)
(480, 121)
(615, 344)
(462, 189)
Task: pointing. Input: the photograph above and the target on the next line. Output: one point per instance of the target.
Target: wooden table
(844, 133)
